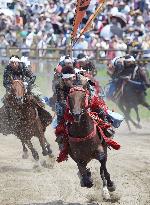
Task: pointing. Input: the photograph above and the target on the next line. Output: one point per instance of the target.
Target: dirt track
(21, 184)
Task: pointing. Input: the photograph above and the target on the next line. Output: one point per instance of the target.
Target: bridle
(86, 99)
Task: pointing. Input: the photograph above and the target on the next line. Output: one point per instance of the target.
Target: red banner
(92, 17)
(81, 8)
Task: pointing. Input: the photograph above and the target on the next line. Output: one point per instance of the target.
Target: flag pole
(92, 17)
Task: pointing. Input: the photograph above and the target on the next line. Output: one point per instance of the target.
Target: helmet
(114, 61)
(67, 72)
(14, 59)
(129, 62)
(82, 57)
(68, 59)
(129, 58)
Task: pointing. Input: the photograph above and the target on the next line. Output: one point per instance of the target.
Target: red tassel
(63, 155)
(97, 103)
(109, 141)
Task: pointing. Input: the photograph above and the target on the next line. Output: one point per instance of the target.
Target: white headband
(14, 59)
(130, 59)
(82, 59)
(68, 60)
(65, 76)
(79, 70)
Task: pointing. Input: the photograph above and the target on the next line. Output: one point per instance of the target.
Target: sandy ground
(22, 184)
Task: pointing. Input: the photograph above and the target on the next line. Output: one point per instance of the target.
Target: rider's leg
(60, 109)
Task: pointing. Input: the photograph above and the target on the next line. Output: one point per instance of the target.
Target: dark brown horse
(20, 116)
(85, 142)
(131, 97)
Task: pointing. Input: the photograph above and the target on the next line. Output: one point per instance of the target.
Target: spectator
(48, 23)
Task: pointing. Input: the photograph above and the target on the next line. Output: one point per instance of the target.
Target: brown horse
(85, 142)
(20, 116)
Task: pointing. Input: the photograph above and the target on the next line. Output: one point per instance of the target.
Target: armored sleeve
(29, 75)
(59, 90)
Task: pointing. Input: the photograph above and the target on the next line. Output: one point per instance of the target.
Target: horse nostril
(77, 117)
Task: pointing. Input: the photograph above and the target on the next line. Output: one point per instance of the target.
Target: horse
(85, 141)
(21, 116)
(130, 97)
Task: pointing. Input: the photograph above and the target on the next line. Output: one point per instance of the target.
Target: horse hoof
(51, 155)
(50, 152)
(111, 187)
(88, 183)
(25, 155)
(36, 156)
(139, 126)
(45, 153)
(105, 193)
(37, 166)
(88, 173)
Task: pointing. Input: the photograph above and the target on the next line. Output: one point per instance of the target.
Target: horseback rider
(125, 70)
(83, 62)
(17, 70)
(135, 74)
(62, 87)
(69, 78)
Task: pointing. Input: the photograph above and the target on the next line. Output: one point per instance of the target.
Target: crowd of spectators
(44, 24)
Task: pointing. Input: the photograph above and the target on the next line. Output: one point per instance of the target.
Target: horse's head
(77, 101)
(18, 90)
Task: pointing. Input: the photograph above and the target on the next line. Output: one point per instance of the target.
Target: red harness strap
(88, 137)
(104, 125)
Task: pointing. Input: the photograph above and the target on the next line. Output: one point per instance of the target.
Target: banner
(88, 25)
(81, 8)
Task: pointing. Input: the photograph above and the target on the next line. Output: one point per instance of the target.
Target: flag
(88, 25)
(81, 8)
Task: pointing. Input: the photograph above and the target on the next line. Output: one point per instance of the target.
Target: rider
(69, 78)
(120, 68)
(126, 70)
(61, 90)
(83, 62)
(135, 74)
(18, 70)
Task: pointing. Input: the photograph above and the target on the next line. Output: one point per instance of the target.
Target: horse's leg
(108, 185)
(25, 150)
(130, 119)
(138, 116)
(126, 117)
(85, 174)
(41, 137)
(34, 152)
(48, 147)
